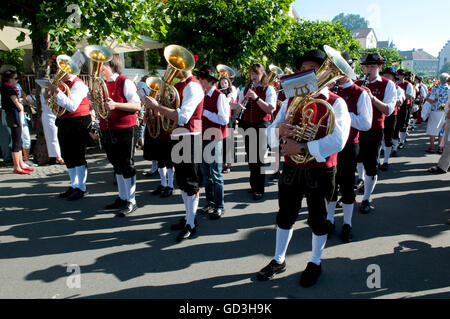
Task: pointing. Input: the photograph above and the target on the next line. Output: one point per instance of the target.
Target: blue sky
(419, 24)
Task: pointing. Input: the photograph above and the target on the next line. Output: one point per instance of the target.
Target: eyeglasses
(258, 65)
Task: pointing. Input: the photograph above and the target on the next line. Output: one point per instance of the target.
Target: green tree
(235, 32)
(14, 58)
(351, 21)
(306, 35)
(60, 24)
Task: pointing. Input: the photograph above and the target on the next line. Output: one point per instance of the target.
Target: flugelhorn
(178, 59)
(65, 66)
(153, 122)
(225, 71)
(331, 70)
(98, 55)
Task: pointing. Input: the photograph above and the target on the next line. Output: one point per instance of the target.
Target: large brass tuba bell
(225, 71)
(65, 66)
(153, 123)
(331, 70)
(274, 74)
(178, 59)
(98, 55)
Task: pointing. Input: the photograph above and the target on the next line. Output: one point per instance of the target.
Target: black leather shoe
(150, 173)
(331, 228)
(67, 193)
(217, 213)
(118, 203)
(359, 184)
(394, 154)
(271, 270)
(182, 223)
(257, 196)
(159, 190)
(208, 209)
(365, 207)
(310, 275)
(401, 146)
(76, 194)
(130, 208)
(346, 234)
(168, 191)
(339, 204)
(384, 167)
(187, 233)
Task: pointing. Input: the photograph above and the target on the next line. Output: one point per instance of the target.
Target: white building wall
(444, 55)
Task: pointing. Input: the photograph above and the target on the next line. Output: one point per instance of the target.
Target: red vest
(83, 108)
(404, 86)
(119, 119)
(195, 122)
(253, 113)
(378, 89)
(220, 131)
(351, 96)
(331, 161)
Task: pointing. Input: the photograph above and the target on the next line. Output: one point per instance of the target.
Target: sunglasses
(258, 65)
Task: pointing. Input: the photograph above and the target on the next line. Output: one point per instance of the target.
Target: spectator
(5, 137)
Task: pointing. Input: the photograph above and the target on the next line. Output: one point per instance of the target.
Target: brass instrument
(332, 69)
(153, 122)
(178, 59)
(65, 66)
(274, 74)
(98, 55)
(225, 71)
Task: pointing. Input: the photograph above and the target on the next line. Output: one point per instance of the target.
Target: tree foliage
(351, 21)
(14, 58)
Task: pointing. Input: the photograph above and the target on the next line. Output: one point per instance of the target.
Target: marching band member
(189, 117)
(73, 132)
(403, 114)
(389, 123)
(118, 133)
(383, 94)
(216, 112)
(360, 110)
(261, 104)
(314, 179)
(401, 97)
(227, 88)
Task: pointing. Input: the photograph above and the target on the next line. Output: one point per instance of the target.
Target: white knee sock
(82, 177)
(348, 213)
(318, 244)
(387, 154)
(369, 186)
(130, 189)
(121, 187)
(192, 204)
(163, 175)
(331, 208)
(283, 238)
(73, 177)
(360, 169)
(170, 172)
(402, 137)
(185, 200)
(395, 142)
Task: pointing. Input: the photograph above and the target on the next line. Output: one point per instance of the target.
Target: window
(134, 60)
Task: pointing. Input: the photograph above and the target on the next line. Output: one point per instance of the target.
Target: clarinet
(366, 79)
(244, 103)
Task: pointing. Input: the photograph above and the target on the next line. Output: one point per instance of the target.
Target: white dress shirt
(271, 97)
(129, 89)
(390, 95)
(423, 91)
(223, 109)
(78, 92)
(401, 95)
(363, 120)
(332, 143)
(192, 96)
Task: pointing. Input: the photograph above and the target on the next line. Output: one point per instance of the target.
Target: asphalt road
(400, 250)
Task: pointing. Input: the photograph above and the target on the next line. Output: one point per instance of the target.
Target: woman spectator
(14, 118)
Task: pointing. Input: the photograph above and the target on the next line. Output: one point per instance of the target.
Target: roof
(419, 54)
(361, 33)
(382, 44)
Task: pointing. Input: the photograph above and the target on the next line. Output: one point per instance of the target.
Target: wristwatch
(257, 99)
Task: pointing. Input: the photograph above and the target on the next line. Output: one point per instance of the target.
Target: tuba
(331, 70)
(225, 71)
(274, 74)
(65, 66)
(153, 122)
(178, 59)
(98, 55)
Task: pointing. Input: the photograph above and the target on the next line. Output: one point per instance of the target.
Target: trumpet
(98, 55)
(65, 66)
(153, 122)
(331, 70)
(225, 71)
(178, 59)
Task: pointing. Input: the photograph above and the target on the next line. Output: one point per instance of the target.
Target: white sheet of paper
(44, 83)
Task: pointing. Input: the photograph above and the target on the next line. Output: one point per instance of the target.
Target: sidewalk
(41, 235)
